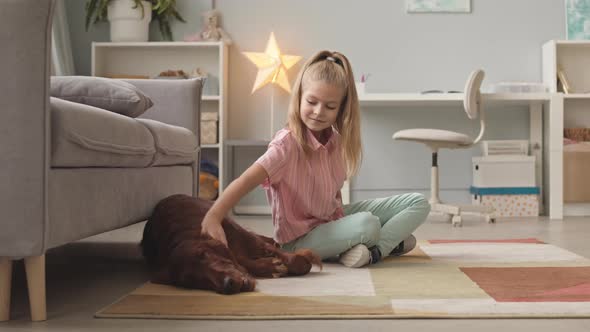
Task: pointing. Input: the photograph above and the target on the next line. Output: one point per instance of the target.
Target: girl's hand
(212, 226)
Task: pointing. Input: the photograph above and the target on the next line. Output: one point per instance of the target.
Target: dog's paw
(281, 269)
(311, 256)
(268, 267)
(301, 261)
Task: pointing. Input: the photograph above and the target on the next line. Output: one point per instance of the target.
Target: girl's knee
(419, 200)
(368, 226)
(421, 204)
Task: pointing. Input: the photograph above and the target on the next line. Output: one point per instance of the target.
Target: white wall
(402, 52)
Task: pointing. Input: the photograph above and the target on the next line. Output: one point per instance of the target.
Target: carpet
(438, 279)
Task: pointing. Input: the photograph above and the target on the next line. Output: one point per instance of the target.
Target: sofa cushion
(86, 136)
(109, 94)
(174, 145)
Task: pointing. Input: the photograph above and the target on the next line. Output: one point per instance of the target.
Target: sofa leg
(5, 280)
(35, 268)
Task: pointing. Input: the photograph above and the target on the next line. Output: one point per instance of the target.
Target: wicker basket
(209, 128)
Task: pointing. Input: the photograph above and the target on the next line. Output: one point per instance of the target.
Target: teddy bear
(211, 31)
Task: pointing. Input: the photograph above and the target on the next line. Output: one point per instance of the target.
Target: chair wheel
(456, 220)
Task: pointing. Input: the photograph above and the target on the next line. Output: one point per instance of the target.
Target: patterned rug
(438, 279)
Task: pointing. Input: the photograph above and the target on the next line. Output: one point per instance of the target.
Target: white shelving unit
(573, 57)
(151, 58)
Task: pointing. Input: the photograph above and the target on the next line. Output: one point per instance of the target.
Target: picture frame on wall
(577, 19)
(438, 6)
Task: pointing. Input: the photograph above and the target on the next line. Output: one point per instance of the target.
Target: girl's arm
(251, 178)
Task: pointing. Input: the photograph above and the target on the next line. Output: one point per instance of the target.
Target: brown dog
(174, 247)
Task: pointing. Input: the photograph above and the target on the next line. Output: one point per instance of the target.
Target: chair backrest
(472, 101)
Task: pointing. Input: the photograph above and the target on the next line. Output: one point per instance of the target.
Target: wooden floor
(85, 276)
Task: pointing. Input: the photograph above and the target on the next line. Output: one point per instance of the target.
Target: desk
(546, 130)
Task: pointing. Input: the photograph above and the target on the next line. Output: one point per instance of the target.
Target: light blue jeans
(381, 222)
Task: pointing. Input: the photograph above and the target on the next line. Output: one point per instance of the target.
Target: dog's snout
(248, 285)
(228, 285)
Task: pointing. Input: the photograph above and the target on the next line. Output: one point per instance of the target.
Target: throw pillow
(109, 94)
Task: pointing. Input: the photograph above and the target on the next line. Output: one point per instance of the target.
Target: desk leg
(536, 145)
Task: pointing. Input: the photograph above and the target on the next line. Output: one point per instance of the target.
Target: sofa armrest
(176, 102)
(25, 36)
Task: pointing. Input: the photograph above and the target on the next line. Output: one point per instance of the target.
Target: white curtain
(61, 47)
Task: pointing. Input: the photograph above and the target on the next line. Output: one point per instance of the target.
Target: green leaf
(90, 11)
(139, 4)
(177, 15)
(102, 10)
(168, 31)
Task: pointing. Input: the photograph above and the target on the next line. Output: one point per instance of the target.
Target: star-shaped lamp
(272, 65)
(272, 68)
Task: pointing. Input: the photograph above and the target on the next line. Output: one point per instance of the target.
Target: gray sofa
(69, 171)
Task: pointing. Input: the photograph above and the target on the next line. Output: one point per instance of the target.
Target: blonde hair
(332, 68)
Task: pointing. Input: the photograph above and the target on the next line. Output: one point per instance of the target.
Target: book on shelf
(562, 78)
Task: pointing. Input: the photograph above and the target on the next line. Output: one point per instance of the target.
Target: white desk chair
(436, 139)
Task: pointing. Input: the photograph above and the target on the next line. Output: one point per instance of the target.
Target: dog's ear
(162, 276)
(201, 207)
(269, 240)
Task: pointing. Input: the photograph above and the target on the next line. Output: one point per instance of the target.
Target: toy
(211, 31)
(208, 180)
(208, 186)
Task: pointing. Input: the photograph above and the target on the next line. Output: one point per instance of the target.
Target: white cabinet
(147, 60)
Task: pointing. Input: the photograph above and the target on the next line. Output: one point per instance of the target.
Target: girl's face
(320, 104)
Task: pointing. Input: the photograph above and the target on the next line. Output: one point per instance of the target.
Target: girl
(304, 168)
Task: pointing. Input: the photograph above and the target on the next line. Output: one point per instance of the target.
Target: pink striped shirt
(302, 192)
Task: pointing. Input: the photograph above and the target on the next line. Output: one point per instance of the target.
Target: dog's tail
(149, 245)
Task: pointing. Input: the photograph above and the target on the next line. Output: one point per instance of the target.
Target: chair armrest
(176, 102)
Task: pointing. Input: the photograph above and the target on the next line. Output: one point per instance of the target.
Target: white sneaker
(356, 256)
(404, 247)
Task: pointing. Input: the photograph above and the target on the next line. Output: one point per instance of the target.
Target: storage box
(505, 147)
(504, 171)
(209, 127)
(508, 202)
(576, 171)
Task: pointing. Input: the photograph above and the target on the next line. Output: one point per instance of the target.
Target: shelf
(159, 44)
(151, 58)
(573, 58)
(571, 42)
(576, 96)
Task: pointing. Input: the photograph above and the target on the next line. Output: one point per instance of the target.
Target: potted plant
(129, 19)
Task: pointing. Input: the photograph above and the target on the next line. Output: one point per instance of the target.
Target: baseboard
(576, 209)
(252, 210)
